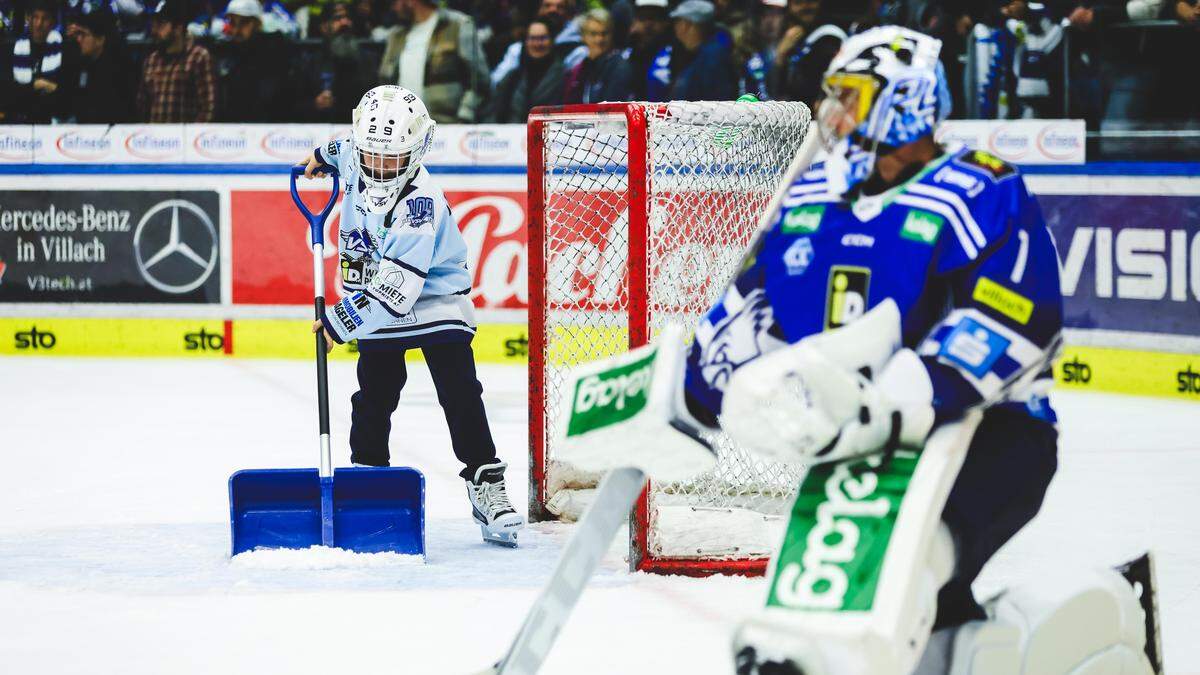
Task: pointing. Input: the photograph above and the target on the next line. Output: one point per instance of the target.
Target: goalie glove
(896, 411)
(815, 400)
(628, 411)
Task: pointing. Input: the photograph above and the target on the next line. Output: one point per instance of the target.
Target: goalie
(893, 329)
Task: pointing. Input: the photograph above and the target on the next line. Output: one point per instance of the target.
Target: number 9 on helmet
(391, 132)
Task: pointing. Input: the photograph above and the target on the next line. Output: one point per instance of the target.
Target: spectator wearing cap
(604, 75)
(105, 93)
(568, 39)
(699, 66)
(796, 65)
(437, 54)
(335, 77)
(38, 77)
(252, 72)
(177, 84)
(649, 34)
(537, 80)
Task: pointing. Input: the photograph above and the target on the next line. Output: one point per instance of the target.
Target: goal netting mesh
(640, 214)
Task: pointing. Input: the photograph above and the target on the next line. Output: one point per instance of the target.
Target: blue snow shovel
(361, 509)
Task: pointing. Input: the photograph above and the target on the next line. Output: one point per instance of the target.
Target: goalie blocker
(627, 411)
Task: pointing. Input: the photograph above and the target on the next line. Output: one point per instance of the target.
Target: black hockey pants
(381, 376)
(999, 489)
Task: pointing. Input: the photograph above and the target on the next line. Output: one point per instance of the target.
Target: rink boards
(77, 278)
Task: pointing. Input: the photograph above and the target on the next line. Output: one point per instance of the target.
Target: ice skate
(498, 521)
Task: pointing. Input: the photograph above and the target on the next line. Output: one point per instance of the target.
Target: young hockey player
(945, 255)
(406, 283)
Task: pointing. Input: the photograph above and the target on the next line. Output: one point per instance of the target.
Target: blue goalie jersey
(961, 248)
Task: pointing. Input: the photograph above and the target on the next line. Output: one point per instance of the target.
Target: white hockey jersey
(405, 272)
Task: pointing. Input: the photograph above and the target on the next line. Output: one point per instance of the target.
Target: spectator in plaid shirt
(178, 84)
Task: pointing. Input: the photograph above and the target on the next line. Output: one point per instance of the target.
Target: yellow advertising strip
(1082, 368)
(114, 337)
(1129, 372)
(186, 338)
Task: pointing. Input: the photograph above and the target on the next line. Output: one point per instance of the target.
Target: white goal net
(639, 216)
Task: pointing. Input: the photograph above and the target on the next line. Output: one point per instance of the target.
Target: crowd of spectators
(112, 61)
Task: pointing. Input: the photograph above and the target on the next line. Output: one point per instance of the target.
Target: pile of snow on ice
(320, 558)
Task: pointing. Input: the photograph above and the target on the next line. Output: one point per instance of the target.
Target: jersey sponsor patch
(846, 297)
(405, 319)
(960, 179)
(922, 226)
(357, 272)
(857, 240)
(346, 315)
(973, 347)
(388, 285)
(333, 148)
(802, 220)
(798, 256)
(1009, 303)
(997, 167)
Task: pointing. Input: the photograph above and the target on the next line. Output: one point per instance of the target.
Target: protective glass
(847, 103)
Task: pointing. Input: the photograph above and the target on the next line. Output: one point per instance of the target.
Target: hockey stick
(595, 531)
(617, 495)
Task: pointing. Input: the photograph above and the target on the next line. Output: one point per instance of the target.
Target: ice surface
(114, 533)
(320, 558)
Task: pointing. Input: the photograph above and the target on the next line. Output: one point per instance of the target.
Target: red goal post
(639, 214)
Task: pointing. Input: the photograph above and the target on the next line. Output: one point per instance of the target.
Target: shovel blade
(374, 509)
(379, 509)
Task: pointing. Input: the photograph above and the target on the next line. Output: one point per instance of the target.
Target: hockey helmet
(391, 133)
(883, 89)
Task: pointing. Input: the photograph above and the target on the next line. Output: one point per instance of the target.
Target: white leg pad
(1087, 623)
(827, 648)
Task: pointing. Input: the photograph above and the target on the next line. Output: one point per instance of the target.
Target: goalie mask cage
(639, 214)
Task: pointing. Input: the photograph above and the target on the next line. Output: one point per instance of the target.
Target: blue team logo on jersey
(798, 256)
(973, 347)
(420, 211)
(356, 241)
(737, 339)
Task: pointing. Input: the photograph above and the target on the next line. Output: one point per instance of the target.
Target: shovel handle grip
(316, 221)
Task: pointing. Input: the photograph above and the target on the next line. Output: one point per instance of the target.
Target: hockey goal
(639, 214)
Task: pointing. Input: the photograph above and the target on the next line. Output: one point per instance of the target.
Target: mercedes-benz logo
(182, 253)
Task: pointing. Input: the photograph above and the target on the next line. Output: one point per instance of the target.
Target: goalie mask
(391, 133)
(884, 88)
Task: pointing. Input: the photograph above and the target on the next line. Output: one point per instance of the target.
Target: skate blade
(505, 539)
